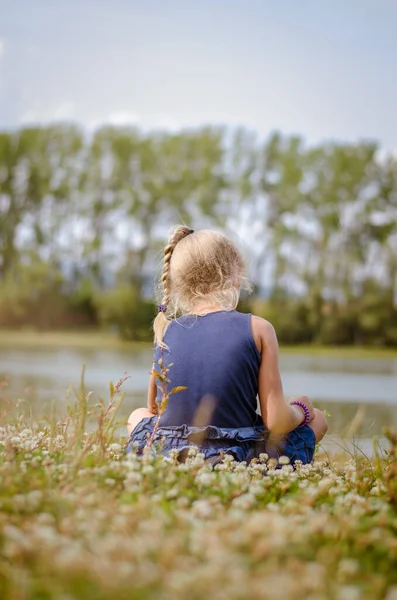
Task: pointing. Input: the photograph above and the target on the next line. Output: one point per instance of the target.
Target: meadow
(81, 519)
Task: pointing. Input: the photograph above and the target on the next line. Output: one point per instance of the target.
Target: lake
(341, 385)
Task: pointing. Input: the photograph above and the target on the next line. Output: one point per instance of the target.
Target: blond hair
(198, 267)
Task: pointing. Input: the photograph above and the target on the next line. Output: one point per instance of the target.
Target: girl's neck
(204, 309)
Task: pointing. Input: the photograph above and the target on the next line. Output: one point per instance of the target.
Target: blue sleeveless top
(214, 356)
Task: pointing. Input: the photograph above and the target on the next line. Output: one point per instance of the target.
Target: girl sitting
(224, 360)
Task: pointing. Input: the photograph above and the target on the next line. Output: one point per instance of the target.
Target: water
(340, 385)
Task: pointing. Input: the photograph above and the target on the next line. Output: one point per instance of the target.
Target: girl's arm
(278, 416)
(152, 394)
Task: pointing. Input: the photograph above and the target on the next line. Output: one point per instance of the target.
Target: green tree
(157, 180)
(35, 180)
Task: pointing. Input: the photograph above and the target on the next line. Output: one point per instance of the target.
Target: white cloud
(63, 112)
(29, 117)
(123, 117)
(117, 118)
(67, 111)
(126, 117)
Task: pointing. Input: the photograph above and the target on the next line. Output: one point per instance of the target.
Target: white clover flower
(202, 508)
(70, 556)
(133, 477)
(206, 479)
(172, 493)
(221, 467)
(241, 466)
(182, 502)
(45, 518)
(259, 468)
(115, 447)
(349, 592)
(244, 502)
(33, 498)
(272, 464)
(273, 507)
(326, 483)
(286, 472)
(348, 566)
(147, 469)
(13, 533)
(19, 500)
(198, 460)
(303, 483)
(257, 488)
(378, 489)
(183, 467)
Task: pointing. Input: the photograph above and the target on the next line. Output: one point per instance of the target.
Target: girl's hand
(307, 403)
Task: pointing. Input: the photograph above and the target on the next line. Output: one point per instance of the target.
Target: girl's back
(216, 358)
(209, 348)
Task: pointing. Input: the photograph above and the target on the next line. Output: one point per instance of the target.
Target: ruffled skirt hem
(244, 443)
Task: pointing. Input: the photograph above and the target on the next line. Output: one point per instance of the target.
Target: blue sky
(321, 69)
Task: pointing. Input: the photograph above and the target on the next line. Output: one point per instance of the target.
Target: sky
(324, 70)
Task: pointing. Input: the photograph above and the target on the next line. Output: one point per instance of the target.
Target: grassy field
(104, 340)
(80, 519)
(64, 339)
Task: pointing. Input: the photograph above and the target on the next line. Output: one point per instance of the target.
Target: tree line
(83, 219)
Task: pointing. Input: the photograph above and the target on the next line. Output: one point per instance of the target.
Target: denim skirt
(243, 443)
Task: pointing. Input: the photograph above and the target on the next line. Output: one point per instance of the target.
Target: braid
(162, 320)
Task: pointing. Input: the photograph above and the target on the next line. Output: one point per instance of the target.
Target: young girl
(225, 360)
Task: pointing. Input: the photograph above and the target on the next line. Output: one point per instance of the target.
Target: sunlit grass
(365, 352)
(66, 339)
(80, 519)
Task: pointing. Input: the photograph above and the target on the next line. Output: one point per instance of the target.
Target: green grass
(365, 352)
(106, 340)
(65, 339)
(80, 519)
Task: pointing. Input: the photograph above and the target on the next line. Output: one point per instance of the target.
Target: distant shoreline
(27, 339)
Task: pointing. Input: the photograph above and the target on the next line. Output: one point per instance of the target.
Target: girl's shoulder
(263, 332)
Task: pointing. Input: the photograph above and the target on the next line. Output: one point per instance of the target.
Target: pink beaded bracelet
(305, 410)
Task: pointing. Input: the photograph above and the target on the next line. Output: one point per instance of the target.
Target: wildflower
(147, 469)
(349, 592)
(205, 479)
(172, 493)
(182, 502)
(272, 463)
(228, 459)
(245, 502)
(202, 508)
(348, 566)
(133, 477)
